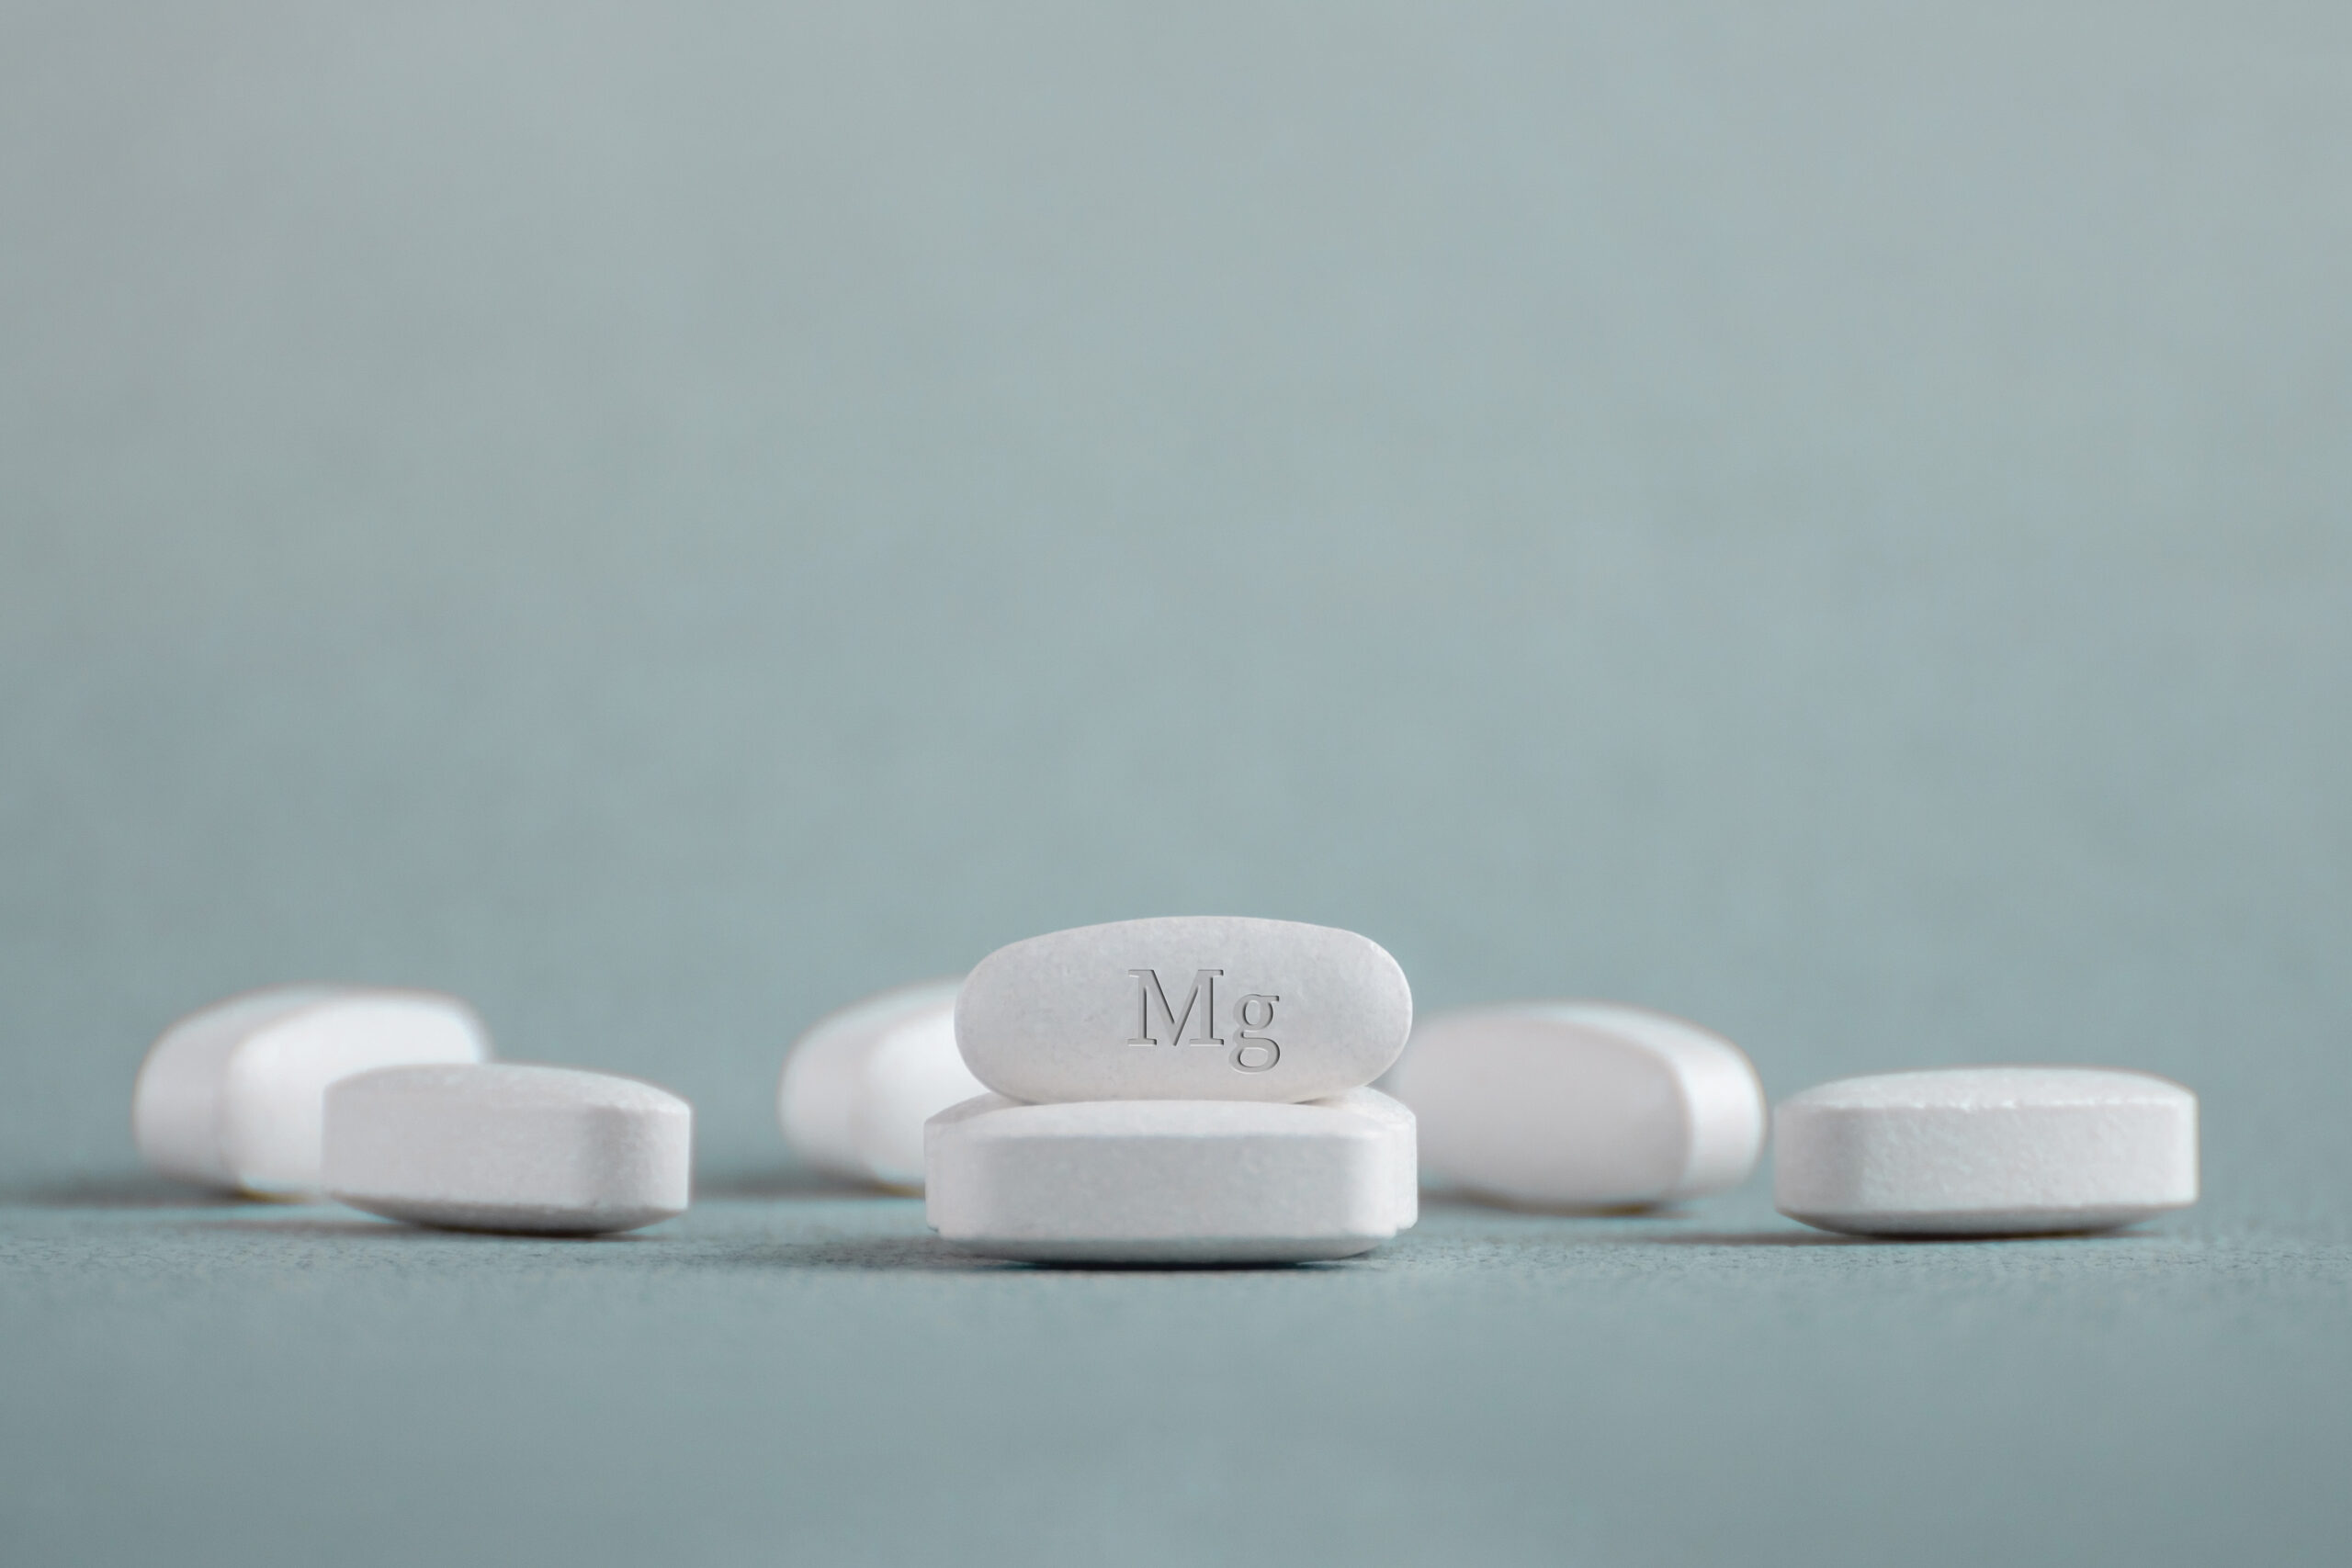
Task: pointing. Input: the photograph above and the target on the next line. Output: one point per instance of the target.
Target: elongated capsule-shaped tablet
(507, 1147)
(230, 1096)
(1172, 1180)
(1985, 1151)
(1580, 1105)
(1185, 1006)
(858, 1087)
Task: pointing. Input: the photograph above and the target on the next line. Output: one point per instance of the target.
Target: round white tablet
(507, 1147)
(1172, 1180)
(1985, 1151)
(230, 1097)
(1185, 1006)
(1580, 1105)
(858, 1087)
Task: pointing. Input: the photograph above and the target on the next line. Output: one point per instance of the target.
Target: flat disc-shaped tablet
(509, 1146)
(1184, 1007)
(1172, 1181)
(1985, 1151)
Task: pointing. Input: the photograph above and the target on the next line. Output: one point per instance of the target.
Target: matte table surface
(792, 1375)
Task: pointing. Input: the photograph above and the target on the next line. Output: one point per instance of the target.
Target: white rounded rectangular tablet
(1985, 1151)
(1580, 1105)
(1184, 1007)
(860, 1083)
(505, 1146)
(1172, 1180)
(230, 1096)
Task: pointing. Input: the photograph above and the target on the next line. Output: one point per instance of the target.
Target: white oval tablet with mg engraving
(1184, 1007)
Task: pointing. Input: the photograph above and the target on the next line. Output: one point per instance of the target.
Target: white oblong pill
(816, 1095)
(1184, 1007)
(509, 1146)
(1580, 1105)
(229, 1096)
(176, 1104)
(1985, 1151)
(912, 1073)
(859, 1085)
(1172, 1181)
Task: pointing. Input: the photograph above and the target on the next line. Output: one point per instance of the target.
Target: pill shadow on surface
(1629, 1225)
(1834, 1238)
(125, 1190)
(929, 1255)
(786, 1182)
(1731, 1238)
(1464, 1203)
(325, 1229)
(859, 1253)
(1307, 1265)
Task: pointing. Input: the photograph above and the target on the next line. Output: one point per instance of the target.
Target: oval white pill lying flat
(1172, 1180)
(1580, 1105)
(1985, 1151)
(230, 1096)
(504, 1146)
(858, 1087)
(1185, 1006)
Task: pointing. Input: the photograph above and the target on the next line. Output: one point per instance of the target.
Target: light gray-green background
(1833, 520)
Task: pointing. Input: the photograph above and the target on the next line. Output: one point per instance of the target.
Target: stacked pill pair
(1185, 1089)
(387, 1100)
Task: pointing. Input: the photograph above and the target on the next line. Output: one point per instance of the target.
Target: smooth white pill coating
(504, 1146)
(858, 1087)
(1985, 1151)
(1172, 1180)
(1185, 1006)
(230, 1097)
(1580, 1105)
